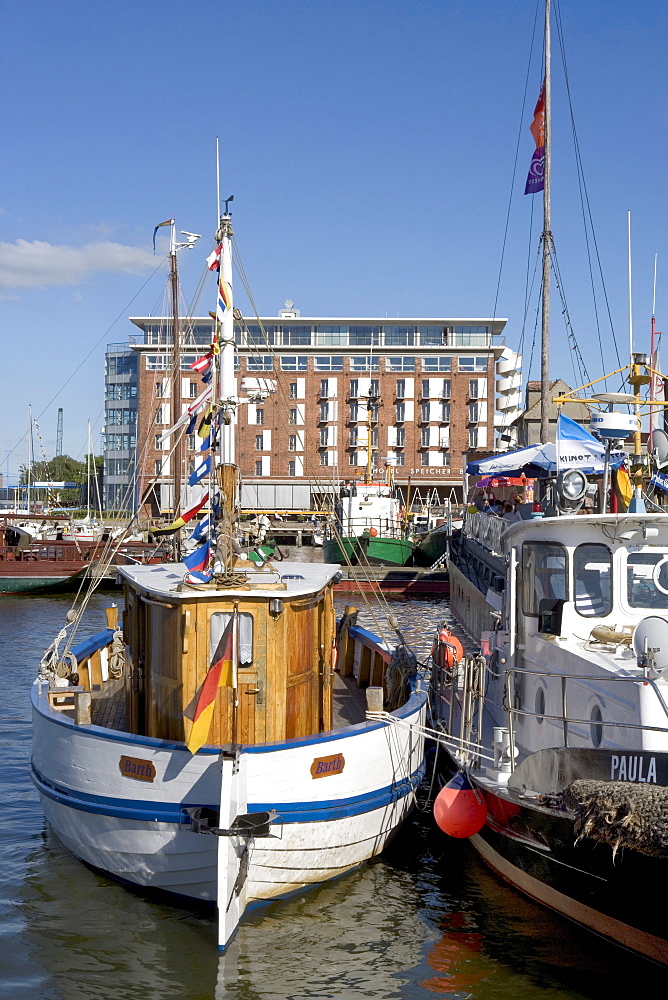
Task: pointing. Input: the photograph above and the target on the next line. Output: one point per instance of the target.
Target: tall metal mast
(175, 389)
(545, 400)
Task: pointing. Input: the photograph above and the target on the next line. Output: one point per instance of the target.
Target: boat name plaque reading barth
(134, 767)
(322, 767)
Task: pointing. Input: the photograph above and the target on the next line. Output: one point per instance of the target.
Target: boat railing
(485, 529)
(468, 684)
(568, 721)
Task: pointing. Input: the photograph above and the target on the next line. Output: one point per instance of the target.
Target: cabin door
(249, 726)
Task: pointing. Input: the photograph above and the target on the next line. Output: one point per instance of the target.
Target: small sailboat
(210, 745)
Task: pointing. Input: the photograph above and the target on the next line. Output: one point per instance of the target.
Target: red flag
(221, 674)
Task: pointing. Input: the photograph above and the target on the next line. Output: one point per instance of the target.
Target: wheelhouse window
(592, 571)
(647, 579)
(217, 625)
(544, 568)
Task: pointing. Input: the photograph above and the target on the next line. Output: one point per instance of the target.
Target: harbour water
(427, 919)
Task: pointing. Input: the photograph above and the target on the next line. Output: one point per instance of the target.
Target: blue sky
(369, 145)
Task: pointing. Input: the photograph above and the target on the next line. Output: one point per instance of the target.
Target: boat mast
(547, 239)
(177, 454)
(224, 393)
(652, 360)
(31, 456)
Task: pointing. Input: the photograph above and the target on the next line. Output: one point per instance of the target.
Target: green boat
(368, 527)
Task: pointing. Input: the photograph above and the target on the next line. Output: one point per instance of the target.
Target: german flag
(221, 674)
(187, 515)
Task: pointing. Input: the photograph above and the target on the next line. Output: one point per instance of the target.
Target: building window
(401, 412)
(263, 363)
(425, 413)
(324, 388)
(352, 458)
(352, 440)
(324, 437)
(446, 388)
(430, 336)
(399, 336)
(159, 390)
(425, 458)
(325, 363)
(324, 412)
(473, 413)
(437, 364)
(374, 437)
(192, 444)
(445, 413)
(401, 437)
(293, 390)
(292, 468)
(473, 437)
(425, 437)
(292, 417)
(258, 467)
(473, 388)
(373, 410)
(354, 411)
(158, 442)
(259, 442)
(259, 416)
(158, 466)
(399, 458)
(193, 390)
(400, 364)
(354, 389)
(292, 442)
(324, 458)
(374, 389)
(400, 388)
(468, 364)
(363, 363)
(294, 363)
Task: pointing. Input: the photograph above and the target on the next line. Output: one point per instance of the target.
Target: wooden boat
(557, 718)
(36, 559)
(211, 747)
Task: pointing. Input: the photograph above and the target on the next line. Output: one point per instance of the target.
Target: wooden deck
(349, 706)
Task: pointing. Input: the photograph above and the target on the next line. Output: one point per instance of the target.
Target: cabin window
(593, 580)
(647, 579)
(217, 625)
(543, 576)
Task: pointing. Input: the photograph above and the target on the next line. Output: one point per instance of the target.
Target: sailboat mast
(177, 455)
(226, 403)
(652, 359)
(547, 238)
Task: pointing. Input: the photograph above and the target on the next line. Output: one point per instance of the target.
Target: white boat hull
(139, 832)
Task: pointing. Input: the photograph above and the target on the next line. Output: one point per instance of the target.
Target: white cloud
(35, 264)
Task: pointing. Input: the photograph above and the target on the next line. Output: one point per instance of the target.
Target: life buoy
(447, 650)
(373, 532)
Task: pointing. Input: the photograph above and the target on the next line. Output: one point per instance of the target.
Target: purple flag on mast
(536, 176)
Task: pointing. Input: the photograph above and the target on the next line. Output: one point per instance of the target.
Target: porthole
(596, 726)
(540, 705)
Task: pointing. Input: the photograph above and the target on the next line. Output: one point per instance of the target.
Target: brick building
(437, 389)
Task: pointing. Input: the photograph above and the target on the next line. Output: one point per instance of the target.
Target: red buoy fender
(447, 650)
(460, 809)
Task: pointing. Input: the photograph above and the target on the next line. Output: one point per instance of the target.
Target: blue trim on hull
(413, 705)
(175, 812)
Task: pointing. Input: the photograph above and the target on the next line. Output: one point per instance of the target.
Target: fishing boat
(554, 697)
(39, 555)
(211, 745)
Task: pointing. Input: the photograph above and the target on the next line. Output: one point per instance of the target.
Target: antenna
(630, 289)
(59, 433)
